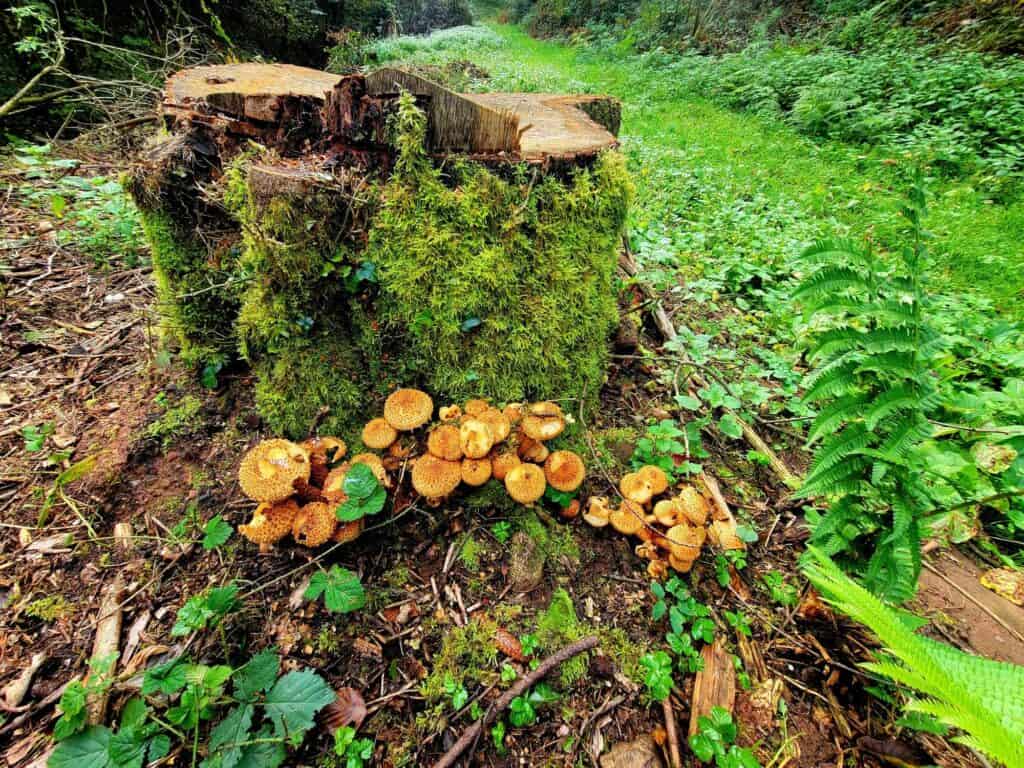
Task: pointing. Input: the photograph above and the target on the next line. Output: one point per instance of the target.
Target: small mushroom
(435, 478)
(334, 484)
(475, 407)
(502, 462)
(683, 566)
(723, 534)
(628, 518)
(525, 483)
(269, 470)
(373, 461)
(476, 472)
(314, 524)
(635, 488)
(571, 511)
(475, 438)
(500, 426)
(543, 423)
(270, 523)
(350, 531)
(445, 442)
(378, 434)
(654, 477)
(532, 450)
(657, 569)
(564, 471)
(513, 412)
(408, 409)
(598, 511)
(667, 512)
(449, 413)
(330, 448)
(685, 540)
(693, 505)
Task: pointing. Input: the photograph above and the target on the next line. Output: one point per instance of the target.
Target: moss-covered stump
(343, 278)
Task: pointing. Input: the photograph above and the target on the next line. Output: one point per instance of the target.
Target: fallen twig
(106, 644)
(551, 662)
(674, 755)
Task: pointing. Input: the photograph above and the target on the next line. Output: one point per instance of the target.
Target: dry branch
(551, 662)
(106, 643)
(715, 684)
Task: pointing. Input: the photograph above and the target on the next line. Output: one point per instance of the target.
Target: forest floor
(724, 204)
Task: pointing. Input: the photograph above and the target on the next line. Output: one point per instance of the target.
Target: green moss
(555, 539)
(467, 655)
(625, 652)
(179, 420)
(500, 288)
(557, 627)
(470, 551)
(50, 608)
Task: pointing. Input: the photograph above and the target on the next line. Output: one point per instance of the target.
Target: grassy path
(716, 184)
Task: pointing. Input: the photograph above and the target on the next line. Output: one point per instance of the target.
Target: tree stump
(344, 235)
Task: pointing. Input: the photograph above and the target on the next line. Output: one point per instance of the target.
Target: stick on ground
(551, 662)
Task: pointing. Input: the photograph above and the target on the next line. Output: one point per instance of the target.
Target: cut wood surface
(714, 686)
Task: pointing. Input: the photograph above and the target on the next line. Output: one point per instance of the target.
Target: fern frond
(843, 248)
(838, 447)
(829, 281)
(840, 410)
(846, 477)
(910, 429)
(836, 379)
(897, 364)
(882, 340)
(899, 398)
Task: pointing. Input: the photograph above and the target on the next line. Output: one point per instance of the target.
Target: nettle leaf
(216, 532)
(258, 675)
(128, 747)
(340, 587)
(88, 749)
(294, 701)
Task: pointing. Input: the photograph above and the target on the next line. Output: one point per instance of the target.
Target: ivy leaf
(730, 426)
(294, 701)
(216, 532)
(341, 588)
(89, 749)
(257, 675)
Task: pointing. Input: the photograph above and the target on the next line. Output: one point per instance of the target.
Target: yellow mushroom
(476, 438)
(564, 471)
(525, 483)
(476, 472)
(378, 434)
(408, 409)
(269, 470)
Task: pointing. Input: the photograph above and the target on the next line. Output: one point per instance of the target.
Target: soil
(76, 357)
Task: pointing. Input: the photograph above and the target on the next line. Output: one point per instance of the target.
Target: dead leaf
(401, 614)
(348, 708)
(639, 753)
(5, 398)
(1005, 583)
(15, 691)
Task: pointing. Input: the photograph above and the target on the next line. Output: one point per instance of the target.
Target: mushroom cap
(373, 461)
(449, 413)
(723, 534)
(435, 478)
(628, 518)
(657, 569)
(525, 483)
(476, 438)
(693, 505)
(682, 566)
(502, 462)
(269, 470)
(270, 522)
(334, 485)
(407, 409)
(513, 412)
(532, 450)
(314, 524)
(500, 426)
(564, 471)
(635, 488)
(476, 472)
(654, 477)
(350, 531)
(570, 512)
(445, 443)
(475, 407)
(330, 448)
(668, 512)
(685, 541)
(598, 512)
(543, 428)
(378, 434)
(545, 408)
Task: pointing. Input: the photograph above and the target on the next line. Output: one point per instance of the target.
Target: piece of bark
(639, 753)
(14, 692)
(714, 686)
(753, 661)
(106, 644)
(672, 733)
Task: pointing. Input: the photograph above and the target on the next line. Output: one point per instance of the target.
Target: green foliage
(49, 608)
(667, 446)
(657, 667)
(715, 742)
(523, 709)
(780, 590)
(356, 752)
(982, 698)
(176, 422)
(206, 610)
(467, 654)
(502, 531)
(216, 532)
(262, 715)
(689, 622)
(341, 589)
(73, 701)
(456, 692)
(35, 437)
(558, 626)
(365, 495)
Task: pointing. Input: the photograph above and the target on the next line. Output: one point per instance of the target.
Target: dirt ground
(78, 351)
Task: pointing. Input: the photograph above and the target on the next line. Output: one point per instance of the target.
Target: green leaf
(360, 482)
(341, 588)
(89, 749)
(730, 426)
(469, 324)
(294, 701)
(216, 532)
(521, 712)
(257, 676)
(231, 731)
(128, 747)
(703, 747)
(689, 402)
(266, 754)
(166, 678)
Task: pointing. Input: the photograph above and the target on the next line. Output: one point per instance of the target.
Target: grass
(710, 179)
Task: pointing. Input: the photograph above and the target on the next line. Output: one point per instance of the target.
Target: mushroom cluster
(672, 529)
(298, 492)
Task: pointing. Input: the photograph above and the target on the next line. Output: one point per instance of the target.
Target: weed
(49, 609)
(341, 589)
(715, 742)
(177, 421)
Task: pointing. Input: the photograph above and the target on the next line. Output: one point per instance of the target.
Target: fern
(981, 698)
(870, 349)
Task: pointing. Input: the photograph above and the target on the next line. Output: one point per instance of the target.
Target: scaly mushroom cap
(635, 488)
(445, 443)
(543, 427)
(532, 450)
(654, 477)
(270, 523)
(525, 483)
(449, 413)
(407, 409)
(500, 426)
(693, 506)
(334, 485)
(378, 434)
(330, 448)
(628, 518)
(564, 471)
(314, 525)
(570, 512)
(475, 407)
(598, 511)
(545, 408)
(350, 531)
(668, 512)
(682, 566)
(723, 534)
(269, 470)
(648, 532)
(657, 570)
(435, 478)
(373, 461)
(476, 472)
(513, 412)
(476, 438)
(502, 462)
(685, 541)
